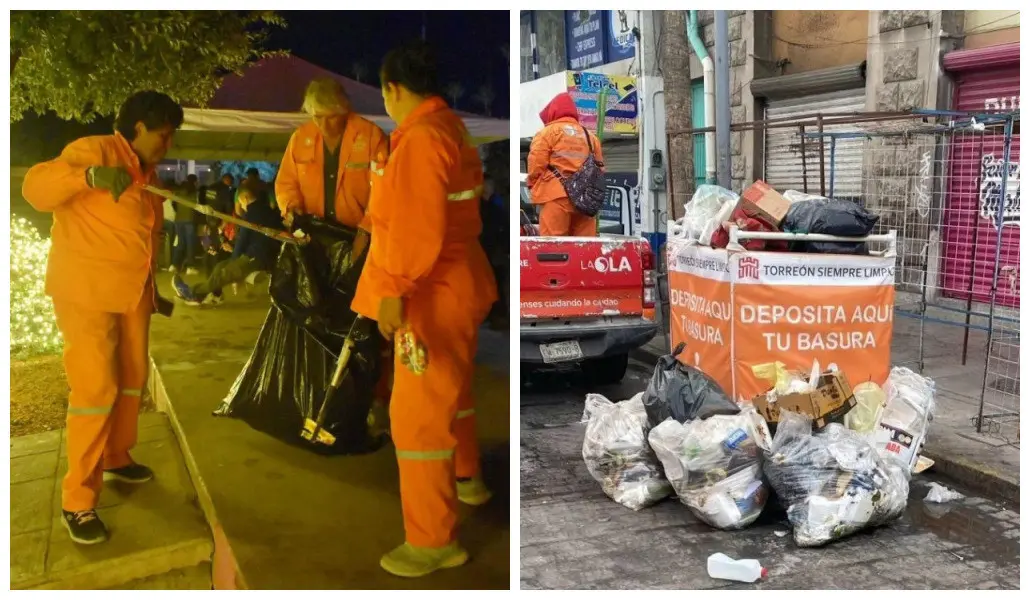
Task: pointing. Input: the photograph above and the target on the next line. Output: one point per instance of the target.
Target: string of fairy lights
(33, 327)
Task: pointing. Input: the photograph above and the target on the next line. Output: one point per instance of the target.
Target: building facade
(786, 64)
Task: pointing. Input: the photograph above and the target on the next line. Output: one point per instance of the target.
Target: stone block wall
(902, 70)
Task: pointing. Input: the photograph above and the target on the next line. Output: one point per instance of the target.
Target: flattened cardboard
(760, 201)
(832, 399)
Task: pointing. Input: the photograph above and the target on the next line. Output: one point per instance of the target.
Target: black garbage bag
(683, 393)
(829, 217)
(284, 380)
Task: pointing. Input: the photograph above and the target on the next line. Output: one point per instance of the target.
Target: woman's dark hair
(154, 109)
(412, 65)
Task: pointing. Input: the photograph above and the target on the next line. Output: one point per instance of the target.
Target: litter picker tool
(313, 431)
(281, 236)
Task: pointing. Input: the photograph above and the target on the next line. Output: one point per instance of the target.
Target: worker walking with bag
(100, 273)
(566, 172)
(428, 284)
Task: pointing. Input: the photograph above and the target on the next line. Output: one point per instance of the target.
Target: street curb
(975, 475)
(966, 472)
(226, 573)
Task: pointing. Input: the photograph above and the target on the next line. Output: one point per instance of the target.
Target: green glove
(112, 179)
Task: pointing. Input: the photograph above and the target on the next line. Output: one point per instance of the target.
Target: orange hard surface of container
(736, 310)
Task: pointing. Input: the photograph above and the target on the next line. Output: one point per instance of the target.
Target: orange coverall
(100, 276)
(300, 186)
(562, 143)
(425, 249)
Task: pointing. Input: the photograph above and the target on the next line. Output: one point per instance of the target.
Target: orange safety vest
(424, 215)
(103, 251)
(300, 185)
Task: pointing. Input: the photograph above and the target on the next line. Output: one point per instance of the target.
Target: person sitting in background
(258, 186)
(215, 247)
(185, 230)
(252, 252)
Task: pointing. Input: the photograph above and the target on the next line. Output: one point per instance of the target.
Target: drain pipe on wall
(708, 69)
(722, 92)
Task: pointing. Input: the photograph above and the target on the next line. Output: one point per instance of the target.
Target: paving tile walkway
(155, 528)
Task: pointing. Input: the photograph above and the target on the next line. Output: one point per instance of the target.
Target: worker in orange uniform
(100, 273)
(326, 172)
(561, 145)
(427, 277)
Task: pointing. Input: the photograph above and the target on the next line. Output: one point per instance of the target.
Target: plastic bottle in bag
(747, 570)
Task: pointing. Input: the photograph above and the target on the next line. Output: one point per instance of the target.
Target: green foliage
(83, 64)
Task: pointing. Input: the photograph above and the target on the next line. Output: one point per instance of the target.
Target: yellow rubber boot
(473, 491)
(408, 561)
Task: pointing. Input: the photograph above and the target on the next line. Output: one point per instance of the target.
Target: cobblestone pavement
(573, 536)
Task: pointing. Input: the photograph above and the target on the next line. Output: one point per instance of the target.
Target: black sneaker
(134, 473)
(84, 527)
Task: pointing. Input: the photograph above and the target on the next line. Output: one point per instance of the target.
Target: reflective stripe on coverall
(425, 248)
(562, 143)
(300, 186)
(99, 275)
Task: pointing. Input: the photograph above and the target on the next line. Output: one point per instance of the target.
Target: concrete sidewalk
(158, 533)
(983, 461)
(285, 518)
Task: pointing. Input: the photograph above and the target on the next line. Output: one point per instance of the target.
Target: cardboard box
(760, 201)
(831, 400)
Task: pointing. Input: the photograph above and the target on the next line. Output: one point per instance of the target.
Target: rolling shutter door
(783, 164)
(621, 156)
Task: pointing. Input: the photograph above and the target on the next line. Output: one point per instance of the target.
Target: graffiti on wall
(1001, 104)
(923, 189)
(992, 199)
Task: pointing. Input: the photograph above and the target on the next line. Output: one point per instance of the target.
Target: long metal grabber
(282, 236)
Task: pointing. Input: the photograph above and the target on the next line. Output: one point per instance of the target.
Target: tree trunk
(675, 65)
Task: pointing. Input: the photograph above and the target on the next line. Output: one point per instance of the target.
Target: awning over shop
(252, 116)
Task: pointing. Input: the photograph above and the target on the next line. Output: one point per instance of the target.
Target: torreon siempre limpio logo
(747, 268)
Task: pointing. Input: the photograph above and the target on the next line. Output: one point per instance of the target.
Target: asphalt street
(574, 537)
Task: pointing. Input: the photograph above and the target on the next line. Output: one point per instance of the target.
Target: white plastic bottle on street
(746, 570)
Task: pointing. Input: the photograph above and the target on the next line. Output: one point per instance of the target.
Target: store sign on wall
(584, 38)
(991, 197)
(621, 42)
(621, 98)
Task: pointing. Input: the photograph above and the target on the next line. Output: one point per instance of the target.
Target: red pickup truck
(586, 301)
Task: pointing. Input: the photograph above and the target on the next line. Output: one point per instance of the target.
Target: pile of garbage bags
(684, 435)
(713, 210)
(832, 481)
(617, 454)
(284, 380)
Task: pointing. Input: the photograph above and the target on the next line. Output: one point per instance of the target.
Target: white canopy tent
(252, 116)
(218, 134)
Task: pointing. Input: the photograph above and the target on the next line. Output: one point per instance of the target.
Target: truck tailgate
(581, 277)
